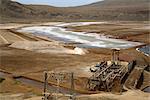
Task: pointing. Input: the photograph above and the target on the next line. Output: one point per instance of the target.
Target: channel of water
(38, 84)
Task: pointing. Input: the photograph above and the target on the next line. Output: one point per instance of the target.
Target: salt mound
(80, 51)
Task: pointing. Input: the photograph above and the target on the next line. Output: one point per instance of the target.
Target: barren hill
(104, 10)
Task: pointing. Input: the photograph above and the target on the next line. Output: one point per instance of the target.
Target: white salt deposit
(80, 51)
(86, 39)
(80, 23)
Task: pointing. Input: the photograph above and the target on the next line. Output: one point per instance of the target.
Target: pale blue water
(145, 49)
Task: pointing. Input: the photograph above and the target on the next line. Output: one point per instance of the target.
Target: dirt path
(130, 95)
(7, 37)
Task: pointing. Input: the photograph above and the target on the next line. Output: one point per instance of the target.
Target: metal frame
(59, 77)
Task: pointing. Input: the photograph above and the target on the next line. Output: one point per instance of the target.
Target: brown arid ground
(130, 95)
(31, 64)
(137, 31)
(12, 86)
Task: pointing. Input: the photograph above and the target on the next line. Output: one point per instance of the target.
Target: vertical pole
(118, 54)
(113, 56)
(72, 86)
(58, 83)
(45, 85)
(118, 57)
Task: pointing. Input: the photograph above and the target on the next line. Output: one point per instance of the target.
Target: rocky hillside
(104, 10)
(14, 11)
(118, 10)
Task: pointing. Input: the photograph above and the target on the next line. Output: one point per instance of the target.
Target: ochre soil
(32, 64)
(137, 31)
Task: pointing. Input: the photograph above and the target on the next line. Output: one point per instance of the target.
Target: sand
(46, 47)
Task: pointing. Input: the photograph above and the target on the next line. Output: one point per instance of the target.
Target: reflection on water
(145, 49)
(147, 89)
(38, 84)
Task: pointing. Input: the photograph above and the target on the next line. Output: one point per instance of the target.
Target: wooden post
(117, 59)
(72, 86)
(45, 85)
(113, 56)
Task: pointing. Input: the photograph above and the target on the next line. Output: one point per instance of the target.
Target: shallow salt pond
(86, 40)
(145, 50)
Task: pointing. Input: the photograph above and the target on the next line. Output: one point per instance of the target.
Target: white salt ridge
(79, 24)
(144, 28)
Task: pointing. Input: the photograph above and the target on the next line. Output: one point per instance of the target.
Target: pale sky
(58, 3)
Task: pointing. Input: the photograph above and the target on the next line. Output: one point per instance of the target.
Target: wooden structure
(107, 72)
(103, 78)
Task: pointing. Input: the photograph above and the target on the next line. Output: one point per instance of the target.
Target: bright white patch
(79, 51)
(80, 23)
(86, 39)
